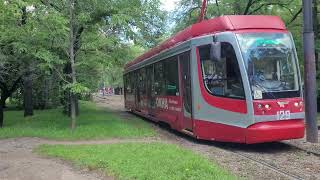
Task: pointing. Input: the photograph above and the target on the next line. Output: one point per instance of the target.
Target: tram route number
(283, 115)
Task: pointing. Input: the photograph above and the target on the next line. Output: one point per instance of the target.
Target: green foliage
(93, 123)
(34, 36)
(187, 13)
(77, 88)
(317, 44)
(139, 160)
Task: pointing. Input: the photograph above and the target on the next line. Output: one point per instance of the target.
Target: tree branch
(191, 10)
(249, 4)
(217, 4)
(266, 4)
(295, 16)
(15, 85)
(47, 3)
(3, 87)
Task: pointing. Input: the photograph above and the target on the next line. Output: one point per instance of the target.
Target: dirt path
(17, 162)
(286, 156)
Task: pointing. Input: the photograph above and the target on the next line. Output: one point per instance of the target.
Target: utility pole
(310, 73)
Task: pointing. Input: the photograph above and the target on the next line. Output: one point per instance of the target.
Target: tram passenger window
(142, 81)
(159, 81)
(172, 76)
(222, 78)
(134, 83)
(128, 84)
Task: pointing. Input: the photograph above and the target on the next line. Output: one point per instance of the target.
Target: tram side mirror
(215, 51)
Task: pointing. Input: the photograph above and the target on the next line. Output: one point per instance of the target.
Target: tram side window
(222, 78)
(132, 82)
(142, 81)
(127, 84)
(159, 81)
(172, 76)
(135, 84)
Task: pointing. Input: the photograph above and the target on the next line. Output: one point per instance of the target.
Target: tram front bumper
(275, 131)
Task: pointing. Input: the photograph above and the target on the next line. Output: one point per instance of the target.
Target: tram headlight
(267, 106)
(260, 106)
(298, 104)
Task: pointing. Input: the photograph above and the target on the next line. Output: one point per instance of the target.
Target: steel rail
(269, 166)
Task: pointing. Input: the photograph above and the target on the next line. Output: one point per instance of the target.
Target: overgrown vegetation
(51, 52)
(139, 161)
(93, 123)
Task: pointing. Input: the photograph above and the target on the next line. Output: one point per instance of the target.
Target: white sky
(169, 5)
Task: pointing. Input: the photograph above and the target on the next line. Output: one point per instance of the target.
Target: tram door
(185, 78)
(150, 90)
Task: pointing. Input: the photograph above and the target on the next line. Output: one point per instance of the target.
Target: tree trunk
(5, 93)
(2, 105)
(47, 84)
(66, 93)
(1, 114)
(73, 98)
(73, 111)
(77, 105)
(27, 89)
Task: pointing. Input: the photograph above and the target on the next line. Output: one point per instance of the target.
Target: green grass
(93, 123)
(139, 161)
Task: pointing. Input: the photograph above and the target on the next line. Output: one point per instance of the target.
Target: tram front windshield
(270, 61)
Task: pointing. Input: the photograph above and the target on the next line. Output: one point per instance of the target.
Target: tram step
(187, 131)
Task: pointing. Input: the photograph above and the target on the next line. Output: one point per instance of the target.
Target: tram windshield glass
(270, 62)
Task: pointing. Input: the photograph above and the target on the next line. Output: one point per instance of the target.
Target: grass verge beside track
(139, 160)
(93, 123)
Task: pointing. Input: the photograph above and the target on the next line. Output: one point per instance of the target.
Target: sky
(168, 5)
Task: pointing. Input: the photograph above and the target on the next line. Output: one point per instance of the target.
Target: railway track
(306, 151)
(269, 166)
(244, 154)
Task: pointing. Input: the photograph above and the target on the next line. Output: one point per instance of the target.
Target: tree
(96, 30)
(9, 81)
(74, 40)
(12, 50)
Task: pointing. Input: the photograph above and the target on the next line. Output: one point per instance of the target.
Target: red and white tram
(231, 78)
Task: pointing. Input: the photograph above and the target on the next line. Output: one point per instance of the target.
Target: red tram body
(231, 79)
